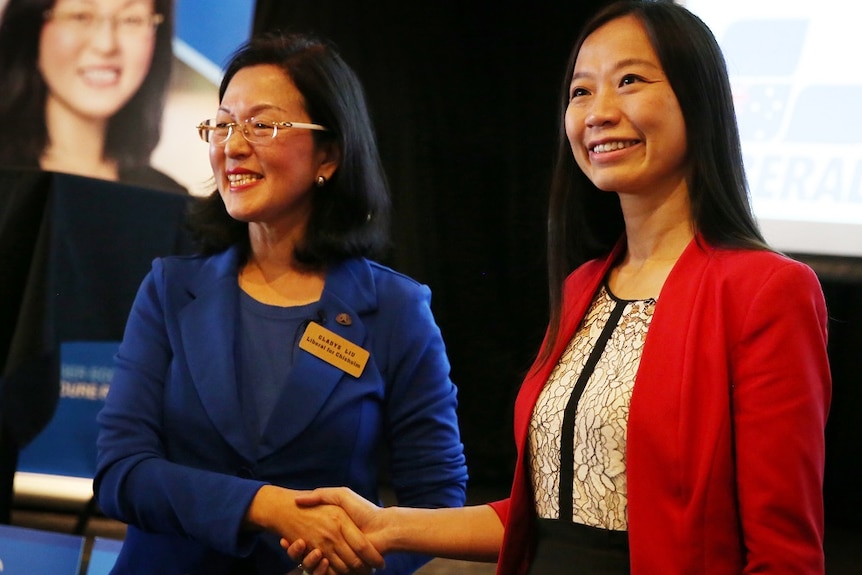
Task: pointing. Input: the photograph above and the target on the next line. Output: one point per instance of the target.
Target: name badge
(334, 349)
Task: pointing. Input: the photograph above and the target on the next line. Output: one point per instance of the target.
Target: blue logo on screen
(768, 108)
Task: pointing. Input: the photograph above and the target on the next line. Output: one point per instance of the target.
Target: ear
(329, 156)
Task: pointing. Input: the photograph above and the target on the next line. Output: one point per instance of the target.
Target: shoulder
(757, 281)
(399, 292)
(753, 267)
(204, 268)
(367, 282)
(178, 263)
(390, 279)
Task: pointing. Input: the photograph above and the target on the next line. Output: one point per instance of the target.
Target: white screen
(796, 72)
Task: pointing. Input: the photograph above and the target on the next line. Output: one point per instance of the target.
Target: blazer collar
(350, 280)
(580, 289)
(209, 335)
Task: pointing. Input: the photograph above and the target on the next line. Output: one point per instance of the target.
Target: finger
(322, 568)
(345, 562)
(318, 496)
(294, 550)
(312, 560)
(361, 546)
(337, 562)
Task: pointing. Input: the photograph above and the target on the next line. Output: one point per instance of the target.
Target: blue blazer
(177, 462)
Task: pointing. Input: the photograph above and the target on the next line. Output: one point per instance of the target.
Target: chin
(606, 184)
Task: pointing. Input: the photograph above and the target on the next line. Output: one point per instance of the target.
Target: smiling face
(92, 69)
(268, 183)
(623, 121)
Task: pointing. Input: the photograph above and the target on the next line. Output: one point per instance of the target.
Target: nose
(104, 35)
(602, 110)
(236, 144)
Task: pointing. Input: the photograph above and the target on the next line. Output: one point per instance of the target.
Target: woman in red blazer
(673, 422)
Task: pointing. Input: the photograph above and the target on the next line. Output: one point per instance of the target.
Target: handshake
(334, 531)
(351, 539)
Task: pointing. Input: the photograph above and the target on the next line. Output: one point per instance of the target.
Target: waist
(562, 545)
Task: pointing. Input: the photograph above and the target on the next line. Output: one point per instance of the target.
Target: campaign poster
(113, 89)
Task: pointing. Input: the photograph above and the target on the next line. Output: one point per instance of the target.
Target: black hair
(585, 222)
(350, 214)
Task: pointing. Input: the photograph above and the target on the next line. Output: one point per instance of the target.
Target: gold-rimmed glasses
(255, 130)
(85, 21)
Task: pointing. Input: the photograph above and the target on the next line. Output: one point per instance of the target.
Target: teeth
(101, 75)
(611, 146)
(242, 179)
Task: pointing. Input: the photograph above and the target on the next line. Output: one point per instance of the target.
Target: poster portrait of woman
(85, 84)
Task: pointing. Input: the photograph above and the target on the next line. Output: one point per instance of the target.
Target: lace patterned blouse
(582, 413)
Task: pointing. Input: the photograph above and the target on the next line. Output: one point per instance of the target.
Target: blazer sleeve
(135, 482)
(501, 508)
(781, 393)
(426, 457)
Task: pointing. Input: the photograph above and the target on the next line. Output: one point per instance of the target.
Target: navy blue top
(268, 335)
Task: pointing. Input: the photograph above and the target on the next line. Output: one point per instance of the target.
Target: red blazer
(725, 443)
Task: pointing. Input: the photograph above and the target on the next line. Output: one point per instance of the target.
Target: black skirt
(563, 547)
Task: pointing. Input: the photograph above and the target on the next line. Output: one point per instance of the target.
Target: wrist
(260, 515)
(394, 534)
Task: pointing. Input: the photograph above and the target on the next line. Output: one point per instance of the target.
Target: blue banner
(67, 446)
(208, 32)
(103, 556)
(34, 552)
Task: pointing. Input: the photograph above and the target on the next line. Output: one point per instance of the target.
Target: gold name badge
(334, 349)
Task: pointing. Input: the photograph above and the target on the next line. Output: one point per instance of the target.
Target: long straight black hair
(585, 222)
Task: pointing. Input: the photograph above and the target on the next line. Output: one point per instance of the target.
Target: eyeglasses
(255, 131)
(130, 23)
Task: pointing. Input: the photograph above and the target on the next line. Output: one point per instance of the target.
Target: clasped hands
(361, 525)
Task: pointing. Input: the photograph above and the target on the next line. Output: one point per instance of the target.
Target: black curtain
(842, 285)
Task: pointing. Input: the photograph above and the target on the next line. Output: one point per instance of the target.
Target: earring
(321, 181)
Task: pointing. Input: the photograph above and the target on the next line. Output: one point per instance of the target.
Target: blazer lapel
(661, 372)
(208, 326)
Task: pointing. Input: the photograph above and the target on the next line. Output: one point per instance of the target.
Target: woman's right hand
(473, 533)
(365, 515)
(323, 527)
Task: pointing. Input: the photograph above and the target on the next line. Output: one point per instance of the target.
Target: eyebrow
(622, 64)
(256, 109)
(92, 4)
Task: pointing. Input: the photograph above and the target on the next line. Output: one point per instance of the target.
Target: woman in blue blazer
(280, 359)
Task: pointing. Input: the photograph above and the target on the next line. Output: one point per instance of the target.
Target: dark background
(464, 96)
